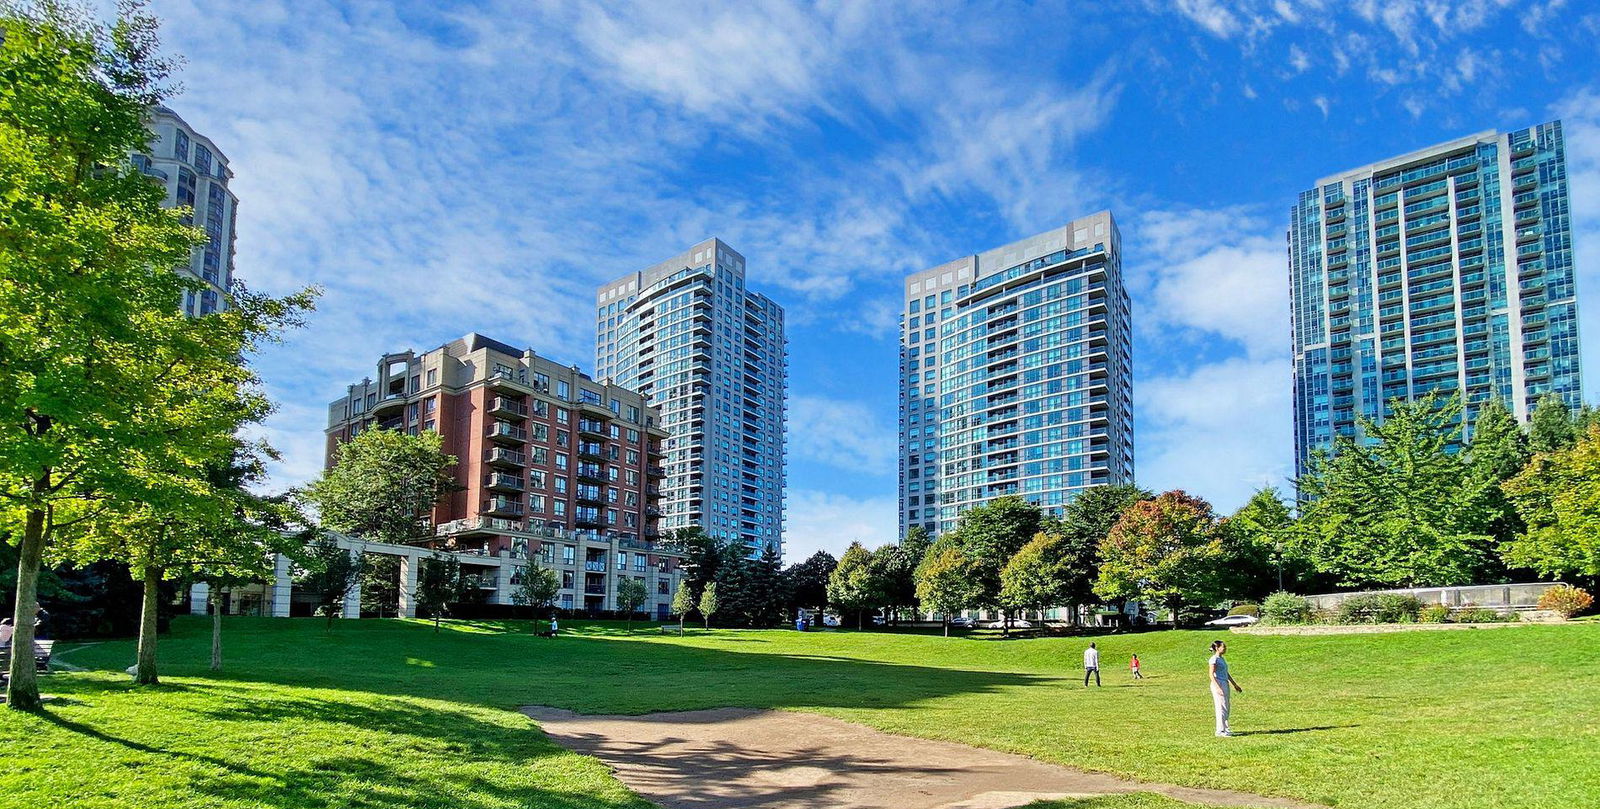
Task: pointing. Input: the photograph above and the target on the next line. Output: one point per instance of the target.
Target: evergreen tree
(895, 571)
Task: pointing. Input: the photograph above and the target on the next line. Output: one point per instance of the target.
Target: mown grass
(390, 714)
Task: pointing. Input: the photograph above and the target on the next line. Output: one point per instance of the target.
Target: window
(558, 508)
(567, 552)
(536, 503)
(564, 390)
(429, 425)
(622, 560)
(567, 579)
(433, 377)
(661, 587)
(616, 406)
(536, 479)
(431, 403)
(561, 460)
(633, 414)
(561, 415)
(561, 485)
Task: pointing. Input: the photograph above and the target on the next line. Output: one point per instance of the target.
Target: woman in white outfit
(1220, 681)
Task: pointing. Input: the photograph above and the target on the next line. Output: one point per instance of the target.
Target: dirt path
(743, 759)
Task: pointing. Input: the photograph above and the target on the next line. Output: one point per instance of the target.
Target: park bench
(41, 657)
(671, 629)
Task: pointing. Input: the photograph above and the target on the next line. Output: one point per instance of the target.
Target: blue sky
(445, 168)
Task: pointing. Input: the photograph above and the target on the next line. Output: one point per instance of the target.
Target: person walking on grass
(1091, 665)
(1221, 699)
(6, 630)
(1133, 666)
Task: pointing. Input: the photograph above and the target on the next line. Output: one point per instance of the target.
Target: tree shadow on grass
(1279, 731)
(288, 749)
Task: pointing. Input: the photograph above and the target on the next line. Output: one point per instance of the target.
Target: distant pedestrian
(555, 625)
(6, 630)
(1221, 699)
(1091, 665)
(1133, 665)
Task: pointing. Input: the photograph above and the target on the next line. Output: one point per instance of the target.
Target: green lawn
(390, 714)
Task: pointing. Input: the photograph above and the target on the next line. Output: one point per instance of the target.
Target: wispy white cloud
(844, 434)
(830, 521)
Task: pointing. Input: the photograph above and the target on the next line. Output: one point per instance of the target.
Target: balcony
(593, 452)
(507, 433)
(391, 403)
(502, 507)
(596, 409)
(502, 482)
(592, 473)
(595, 589)
(507, 408)
(655, 471)
(595, 565)
(479, 525)
(505, 458)
(505, 381)
(588, 495)
(591, 428)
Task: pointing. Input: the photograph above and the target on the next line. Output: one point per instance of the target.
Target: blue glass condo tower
(1016, 375)
(1449, 269)
(712, 356)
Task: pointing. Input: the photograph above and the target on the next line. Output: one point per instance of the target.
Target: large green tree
(854, 586)
(1558, 497)
(1085, 523)
(990, 534)
(806, 583)
(107, 392)
(945, 581)
(1258, 541)
(895, 570)
(1551, 426)
(1398, 508)
(383, 485)
(1497, 452)
(439, 584)
(1168, 550)
(1039, 575)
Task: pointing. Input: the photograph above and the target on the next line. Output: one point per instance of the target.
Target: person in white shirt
(1220, 679)
(1091, 665)
(6, 630)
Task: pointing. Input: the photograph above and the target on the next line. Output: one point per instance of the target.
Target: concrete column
(282, 584)
(408, 586)
(198, 593)
(352, 599)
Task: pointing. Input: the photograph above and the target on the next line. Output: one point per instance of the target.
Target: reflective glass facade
(195, 174)
(1016, 375)
(711, 355)
(1448, 269)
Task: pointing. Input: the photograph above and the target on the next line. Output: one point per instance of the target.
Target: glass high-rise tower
(711, 355)
(1448, 269)
(1016, 375)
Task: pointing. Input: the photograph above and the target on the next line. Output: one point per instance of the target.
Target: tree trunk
(946, 622)
(1005, 623)
(22, 690)
(145, 673)
(216, 629)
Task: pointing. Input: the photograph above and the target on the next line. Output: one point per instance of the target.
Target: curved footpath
(734, 758)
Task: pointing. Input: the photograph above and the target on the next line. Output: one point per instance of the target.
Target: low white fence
(1503, 597)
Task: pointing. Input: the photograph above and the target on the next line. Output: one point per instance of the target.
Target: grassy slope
(1430, 720)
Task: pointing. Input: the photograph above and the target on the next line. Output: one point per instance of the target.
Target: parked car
(879, 620)
(1233, 620)
(830, 620)
(1016, 623)
(963, 622)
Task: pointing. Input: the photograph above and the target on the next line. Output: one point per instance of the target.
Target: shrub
(1245, 609)
(1434, 614)
(1565, 600)
(1379, 608)
(1479, 615)
(1285, 608)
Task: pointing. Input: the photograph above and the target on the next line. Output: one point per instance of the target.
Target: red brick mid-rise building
(553, 466)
